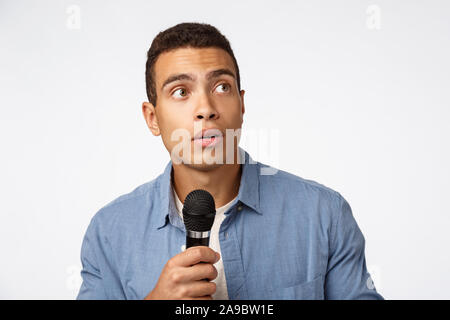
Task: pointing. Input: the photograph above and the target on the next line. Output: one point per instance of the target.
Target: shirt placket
(231, 256)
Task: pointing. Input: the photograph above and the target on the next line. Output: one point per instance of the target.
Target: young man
(275, 235)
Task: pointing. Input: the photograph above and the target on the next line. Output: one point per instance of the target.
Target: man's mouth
(208, 137)
(206, 141)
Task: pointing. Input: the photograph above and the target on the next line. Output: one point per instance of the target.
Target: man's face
(196, 89)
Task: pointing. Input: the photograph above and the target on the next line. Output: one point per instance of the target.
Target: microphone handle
(193, 242)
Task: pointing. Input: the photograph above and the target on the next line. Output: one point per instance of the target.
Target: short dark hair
(195, 35)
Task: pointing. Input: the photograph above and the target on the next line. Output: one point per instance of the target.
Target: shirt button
(239, 208)
(226, 235)
(183, 247)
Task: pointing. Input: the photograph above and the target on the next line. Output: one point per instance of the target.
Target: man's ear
(148, 110)
(242, 103)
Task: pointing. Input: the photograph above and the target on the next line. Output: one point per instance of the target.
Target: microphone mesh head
(199, 211)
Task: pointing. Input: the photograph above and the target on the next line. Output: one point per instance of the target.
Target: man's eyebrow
(186, 76)
(218, 73)
(177, 77)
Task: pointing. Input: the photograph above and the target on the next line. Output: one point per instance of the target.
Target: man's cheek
(178, 143)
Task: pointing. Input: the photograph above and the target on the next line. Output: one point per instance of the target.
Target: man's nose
(205, 110)
(207, 115)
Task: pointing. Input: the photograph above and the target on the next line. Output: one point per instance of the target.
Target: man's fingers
(202, 271)
(195, 255)
(202, 298)
(197, 289)
(196, 272)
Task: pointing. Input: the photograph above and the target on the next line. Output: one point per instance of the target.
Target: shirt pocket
(310, 290)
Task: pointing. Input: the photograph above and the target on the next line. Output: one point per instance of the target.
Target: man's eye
(180, 93)
(223, 87)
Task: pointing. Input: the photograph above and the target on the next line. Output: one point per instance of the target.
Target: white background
(358, 93)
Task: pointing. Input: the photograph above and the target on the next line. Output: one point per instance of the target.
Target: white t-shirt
(221, 283)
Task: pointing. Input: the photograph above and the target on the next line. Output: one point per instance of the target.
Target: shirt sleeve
(99, 279)
(347, 276)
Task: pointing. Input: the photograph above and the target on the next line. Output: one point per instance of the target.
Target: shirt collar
(248, 191)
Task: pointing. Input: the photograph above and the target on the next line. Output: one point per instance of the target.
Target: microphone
(199, 211)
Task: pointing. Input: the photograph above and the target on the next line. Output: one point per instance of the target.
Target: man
(275, 235)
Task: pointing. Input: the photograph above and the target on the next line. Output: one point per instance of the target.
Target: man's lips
(208, 133)
(208, 142)
(208, 137)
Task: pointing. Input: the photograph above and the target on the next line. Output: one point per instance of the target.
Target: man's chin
(203, 164)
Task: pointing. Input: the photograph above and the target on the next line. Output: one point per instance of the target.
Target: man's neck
(222, 182)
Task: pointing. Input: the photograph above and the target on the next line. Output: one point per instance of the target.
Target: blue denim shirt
(284, 237)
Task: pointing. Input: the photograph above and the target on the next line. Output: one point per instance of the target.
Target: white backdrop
(354, 95)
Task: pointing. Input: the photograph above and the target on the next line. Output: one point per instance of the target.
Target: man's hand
(183, 276)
